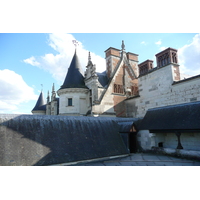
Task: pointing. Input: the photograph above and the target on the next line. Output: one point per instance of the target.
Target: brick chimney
(145, 66)
(112, 59)
(167, 57)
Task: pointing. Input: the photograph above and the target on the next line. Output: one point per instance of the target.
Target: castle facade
(124, 89)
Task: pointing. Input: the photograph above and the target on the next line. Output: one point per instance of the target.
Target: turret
(73, 94)
(40, 106)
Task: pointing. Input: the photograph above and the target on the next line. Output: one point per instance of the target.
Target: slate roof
(125, 127)
(181, 117)
(40, 104)
(74, 77)
(68, 138)
(102, 78)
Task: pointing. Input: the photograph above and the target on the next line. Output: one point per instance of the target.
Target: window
(69, 101)
(115, 88)
(118, 89)
(134, 90)
(174, 59)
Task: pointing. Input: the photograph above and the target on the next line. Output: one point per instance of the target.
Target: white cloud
(158, 42)
(32, 61)
(189, 57)
(57, 65)
(163, 48)
(14, 91)
(143, 42)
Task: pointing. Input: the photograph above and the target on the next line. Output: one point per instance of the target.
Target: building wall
(48, 109)
(39, 112)
(120, 87)
(156, 89)
(80, 101)
(189, 141)
(145, 139)
(54, 108)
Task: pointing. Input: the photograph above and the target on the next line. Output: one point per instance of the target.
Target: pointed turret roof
(40, 105)
(74, 77)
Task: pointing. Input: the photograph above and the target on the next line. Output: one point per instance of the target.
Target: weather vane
(41, 87)
(75, 42)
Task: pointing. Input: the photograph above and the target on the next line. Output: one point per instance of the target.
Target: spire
(53, 94)
(48, 98)
(53, 89)
(40, 105)
(89, 57)
(89, 60)
(74, 77)
(123, 46)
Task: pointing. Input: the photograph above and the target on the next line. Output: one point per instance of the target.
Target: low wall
(46, 140)
(188, 154)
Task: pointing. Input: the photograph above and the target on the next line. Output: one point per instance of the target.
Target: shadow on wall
(45, 140)
(118, 110)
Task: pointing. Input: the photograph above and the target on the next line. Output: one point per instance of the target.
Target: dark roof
(74, 77)
(125, 126)
(186, 79)
(68, 138)
(40, 104)
(181, 117)
(102, 78)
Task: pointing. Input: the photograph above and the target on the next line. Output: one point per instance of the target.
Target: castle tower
(73, 93)
(40, 106)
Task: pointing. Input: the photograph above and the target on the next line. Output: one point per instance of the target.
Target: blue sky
(31, 59)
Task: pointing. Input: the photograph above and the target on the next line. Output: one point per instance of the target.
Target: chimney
(145, 66)
(112, 59)
(167, 57)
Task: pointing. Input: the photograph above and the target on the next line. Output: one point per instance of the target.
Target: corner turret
(40, 106)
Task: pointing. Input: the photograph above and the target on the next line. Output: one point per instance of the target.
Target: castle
(94, 94)
(124, 89)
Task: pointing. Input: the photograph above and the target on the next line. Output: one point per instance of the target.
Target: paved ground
(144, 159)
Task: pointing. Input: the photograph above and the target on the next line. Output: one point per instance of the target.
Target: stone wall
(157, 89)
(80, 101)
(189, 141)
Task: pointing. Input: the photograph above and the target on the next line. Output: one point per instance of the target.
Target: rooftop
(74, 77)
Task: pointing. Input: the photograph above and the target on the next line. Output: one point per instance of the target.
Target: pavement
(139, 159)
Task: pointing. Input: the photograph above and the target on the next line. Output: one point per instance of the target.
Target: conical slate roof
(40, 105)
(74, 77)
